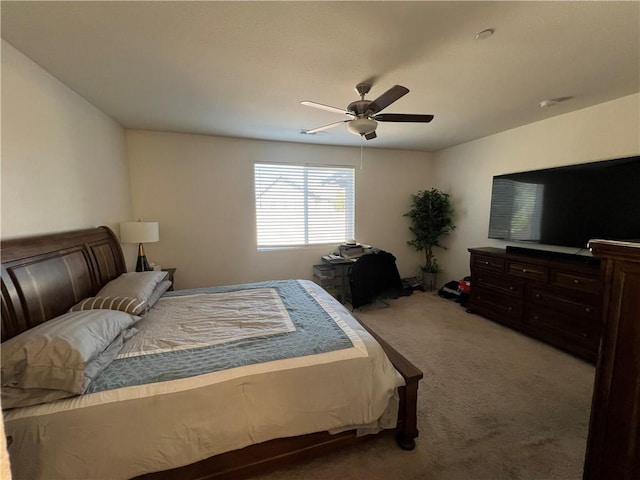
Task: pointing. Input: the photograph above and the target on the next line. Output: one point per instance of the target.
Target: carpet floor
(493, 404)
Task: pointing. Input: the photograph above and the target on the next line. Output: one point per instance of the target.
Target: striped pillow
(130, 305)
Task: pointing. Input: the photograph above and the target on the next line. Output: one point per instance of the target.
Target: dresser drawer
(588, 309)
(576, 281)
(327, 281)
(486, 262)
(565, 326)
(501, 283)
(509, 308)
(324, 270)
(528, 271)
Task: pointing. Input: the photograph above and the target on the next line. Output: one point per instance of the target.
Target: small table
(170, 272)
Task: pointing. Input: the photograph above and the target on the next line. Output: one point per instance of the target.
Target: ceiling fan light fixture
(364, 115)
(362, 126)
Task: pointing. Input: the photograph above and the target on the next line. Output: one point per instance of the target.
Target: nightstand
(170, 272)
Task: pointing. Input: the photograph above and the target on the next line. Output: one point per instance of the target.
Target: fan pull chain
(361, 147)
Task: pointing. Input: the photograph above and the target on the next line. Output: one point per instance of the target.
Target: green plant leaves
(431, 218)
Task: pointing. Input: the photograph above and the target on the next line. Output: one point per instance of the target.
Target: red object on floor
(464, 285)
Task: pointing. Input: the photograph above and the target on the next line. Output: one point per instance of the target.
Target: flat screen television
(568, 206)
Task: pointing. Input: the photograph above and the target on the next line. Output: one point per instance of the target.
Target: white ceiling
(242, 68)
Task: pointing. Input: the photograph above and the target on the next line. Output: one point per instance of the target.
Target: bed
(241, 415)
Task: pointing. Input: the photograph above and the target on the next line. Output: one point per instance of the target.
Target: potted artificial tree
(431, 218)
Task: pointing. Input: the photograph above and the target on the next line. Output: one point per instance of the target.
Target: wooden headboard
(43, 276)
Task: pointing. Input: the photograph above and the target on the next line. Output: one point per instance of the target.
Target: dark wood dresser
(553, 297)
(613, 447)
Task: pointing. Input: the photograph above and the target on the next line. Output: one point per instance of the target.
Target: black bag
(450, 290)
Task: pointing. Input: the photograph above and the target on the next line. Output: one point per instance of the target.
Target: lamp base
(142, 265)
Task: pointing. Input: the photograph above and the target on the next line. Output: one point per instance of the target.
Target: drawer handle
(486, 263)
(537, 295)
(585, 335)
(511, 288)
(510, 309)
(588, 310)
(576, 281)
(536, 317)
(524, 270)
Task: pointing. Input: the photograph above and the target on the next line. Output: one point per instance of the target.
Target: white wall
(605, 131)
(64, 162)
(200, 189)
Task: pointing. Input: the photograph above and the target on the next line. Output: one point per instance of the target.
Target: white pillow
(62, 355)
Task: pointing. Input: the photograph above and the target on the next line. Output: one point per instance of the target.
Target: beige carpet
(494, 404)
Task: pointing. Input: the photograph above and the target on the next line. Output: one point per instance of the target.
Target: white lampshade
(139, 232)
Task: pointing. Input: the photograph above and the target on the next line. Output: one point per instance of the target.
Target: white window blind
(303, 204)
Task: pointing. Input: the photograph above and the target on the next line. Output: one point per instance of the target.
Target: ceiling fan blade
(324, 107)
(387, 98)
(370, 136)
(403, 117)
(325, 127)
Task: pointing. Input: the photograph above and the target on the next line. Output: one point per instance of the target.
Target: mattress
(210, 371)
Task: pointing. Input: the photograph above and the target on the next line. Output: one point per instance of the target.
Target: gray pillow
(133, 292)
(162, 287)
(13, 397)
(133, 284)
(63, 354)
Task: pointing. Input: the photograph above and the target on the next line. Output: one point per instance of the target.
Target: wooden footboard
(280, 452)
(407, 429)
(268, 456)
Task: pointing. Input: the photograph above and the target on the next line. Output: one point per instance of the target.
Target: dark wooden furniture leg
(407, 426)
(407, 430)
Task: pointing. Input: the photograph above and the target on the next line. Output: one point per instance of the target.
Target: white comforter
(129, 431)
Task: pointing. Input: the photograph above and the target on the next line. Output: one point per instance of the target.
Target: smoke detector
(484, 34)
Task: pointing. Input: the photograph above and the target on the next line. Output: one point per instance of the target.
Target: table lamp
(140, 232)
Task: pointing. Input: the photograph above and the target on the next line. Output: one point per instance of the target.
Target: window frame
(306, 166)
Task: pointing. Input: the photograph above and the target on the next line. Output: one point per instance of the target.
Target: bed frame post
(407, 429)
(408, 423)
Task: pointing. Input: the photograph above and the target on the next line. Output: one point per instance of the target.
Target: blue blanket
(315, 332)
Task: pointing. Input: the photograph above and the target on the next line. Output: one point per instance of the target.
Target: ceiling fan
(365, 114)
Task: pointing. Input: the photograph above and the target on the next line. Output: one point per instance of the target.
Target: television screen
(568, 206)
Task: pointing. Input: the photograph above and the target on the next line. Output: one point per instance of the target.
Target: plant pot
(429, 280)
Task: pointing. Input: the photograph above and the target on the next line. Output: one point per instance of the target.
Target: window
(303, 204)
